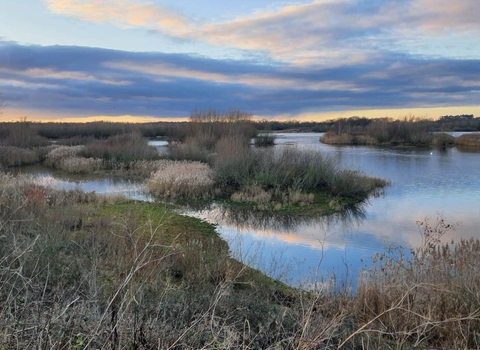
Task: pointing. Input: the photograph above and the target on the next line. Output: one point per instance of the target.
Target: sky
(135, 60)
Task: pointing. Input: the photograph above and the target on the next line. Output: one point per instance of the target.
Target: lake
(425, 184)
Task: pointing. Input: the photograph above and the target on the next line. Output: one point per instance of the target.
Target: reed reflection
(271, 221)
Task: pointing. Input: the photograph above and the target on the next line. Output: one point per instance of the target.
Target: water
(426, 184)
(160, 145)
(106, 185)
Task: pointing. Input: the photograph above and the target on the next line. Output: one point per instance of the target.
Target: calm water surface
(426, 184)
(107, 185)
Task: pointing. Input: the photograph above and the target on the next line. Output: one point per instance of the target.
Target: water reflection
(106, 185)
(298, 250)
(425, 183)
(245, 219)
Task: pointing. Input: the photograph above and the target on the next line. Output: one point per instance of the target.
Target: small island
(406, 132)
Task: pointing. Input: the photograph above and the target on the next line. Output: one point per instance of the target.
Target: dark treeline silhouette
(26, 132)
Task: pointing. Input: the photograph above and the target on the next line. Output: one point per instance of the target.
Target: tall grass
(409, 131)
(177, 179)
(78, 272)
(264, 140)
(468, 140)
(429, 299)
(14, 156)
(84, 275)
(206, 128)
(286, 175)
(123, 148)
(289, 168)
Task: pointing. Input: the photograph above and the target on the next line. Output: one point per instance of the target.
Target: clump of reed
(80, 165)
(271, 198)
(123, 154)
(57, 155)
(290, 169)
(331, 138)
(182, 179)
(468, 140)
(206, 128)
(409, 131)
(14, 156)
(123, 148)
(428, 299)
(442, 139)
(264, 140)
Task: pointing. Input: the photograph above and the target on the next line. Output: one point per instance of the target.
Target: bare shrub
(182, 180)
(14, 156)
(234, 163)
(123, 148)
(23, 134)
(442, 139)
(410, 130)
(264, 140)
(192, 149)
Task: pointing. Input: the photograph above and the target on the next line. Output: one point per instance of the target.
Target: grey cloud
(80, 80)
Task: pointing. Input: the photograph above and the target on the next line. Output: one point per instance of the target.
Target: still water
(425, 184)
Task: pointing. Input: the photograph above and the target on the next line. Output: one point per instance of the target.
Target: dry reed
(181, 179)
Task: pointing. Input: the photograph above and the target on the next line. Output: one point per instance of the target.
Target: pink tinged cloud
(319, 32)
(123, 13)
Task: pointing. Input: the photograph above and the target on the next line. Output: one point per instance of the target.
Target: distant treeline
(178, 131)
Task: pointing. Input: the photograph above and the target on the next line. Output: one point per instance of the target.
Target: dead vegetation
(79, 271)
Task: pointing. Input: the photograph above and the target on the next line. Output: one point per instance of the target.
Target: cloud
(123, 13)
(92, 81)
(327, 32)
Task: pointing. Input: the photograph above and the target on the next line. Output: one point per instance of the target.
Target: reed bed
(78, 272)
(468, 140)
(14, 156)
(57, 155)
(264, 140)
(331, 138)
(123, 148)
(182, 179)
(428, 299)
(80, 165)
(289, 169)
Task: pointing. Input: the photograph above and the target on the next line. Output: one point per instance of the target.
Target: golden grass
(182, 179)
(57, 155)
(468, 140)
(347, 139)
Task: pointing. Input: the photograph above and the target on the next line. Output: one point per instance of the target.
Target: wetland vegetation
(407, 132)
(80, 270)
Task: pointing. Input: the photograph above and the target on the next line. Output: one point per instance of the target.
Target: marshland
(301, 245)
